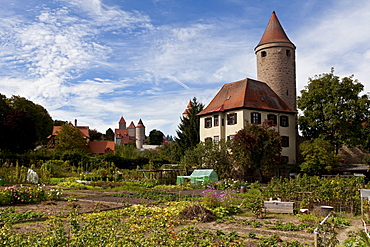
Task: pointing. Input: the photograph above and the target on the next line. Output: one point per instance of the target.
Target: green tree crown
(333, 109)
(70, 139)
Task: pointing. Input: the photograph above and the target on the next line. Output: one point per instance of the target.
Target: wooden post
(315, 238)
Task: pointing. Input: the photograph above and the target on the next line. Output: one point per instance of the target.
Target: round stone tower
(140, 134)
(276, 62)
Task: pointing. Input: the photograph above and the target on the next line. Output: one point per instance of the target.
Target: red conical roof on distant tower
(274, 32)
(188, 108)
(140, 124)
(132, 125)
(122, 120)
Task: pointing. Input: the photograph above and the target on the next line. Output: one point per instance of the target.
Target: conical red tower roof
(274, 32)
(188, 108)
(140, 124)
(122, 120)
(132, 125)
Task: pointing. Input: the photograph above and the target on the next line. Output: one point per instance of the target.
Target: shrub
(24, 194)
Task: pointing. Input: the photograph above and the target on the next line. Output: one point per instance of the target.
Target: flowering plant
(216, 198)
(26, 194)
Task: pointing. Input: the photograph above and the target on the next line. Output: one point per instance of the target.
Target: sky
(98, 60)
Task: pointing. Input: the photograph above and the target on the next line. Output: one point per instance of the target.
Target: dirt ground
(91, 201)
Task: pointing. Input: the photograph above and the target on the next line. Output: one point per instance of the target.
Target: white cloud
(338, 39)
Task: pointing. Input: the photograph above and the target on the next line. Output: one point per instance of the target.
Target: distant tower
(187, 110)
(122, 123)
(140, 134)
(276, 62)
(131, 130)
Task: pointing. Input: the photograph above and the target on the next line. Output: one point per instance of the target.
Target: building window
(272, 119)
(256, 118)
(285, 141)
(263, 54)
(231, 118)
(208, 122)
(208, 140)
(230, 137)
(215, 120)
(284, 121)
(285, 159)
(288, 53)
(216, 139)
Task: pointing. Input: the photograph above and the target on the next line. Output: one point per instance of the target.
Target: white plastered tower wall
(140, 134)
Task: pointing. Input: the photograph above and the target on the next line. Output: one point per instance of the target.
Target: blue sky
(98, 60)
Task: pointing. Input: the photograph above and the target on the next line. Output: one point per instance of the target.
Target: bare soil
(91, 201)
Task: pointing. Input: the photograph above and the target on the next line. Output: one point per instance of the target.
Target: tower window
(287, 53)
(263, 54)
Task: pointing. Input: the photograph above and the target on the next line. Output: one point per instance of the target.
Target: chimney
(75, 122)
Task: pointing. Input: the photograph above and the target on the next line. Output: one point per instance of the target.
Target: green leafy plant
(10, 215)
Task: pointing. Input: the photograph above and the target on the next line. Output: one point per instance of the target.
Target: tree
(188, 132)
(4, 108)
(109, 135)
(171, 151)
(59, 122)
(333, 110)
(318, 156)
(95, 135)
(39, 115)
(155, 137)
(212, 156)
(70, 139)
(257, 147)
(18, 132)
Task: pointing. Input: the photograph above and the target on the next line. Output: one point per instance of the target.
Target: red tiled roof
(132, 125)
(188, 107)
(84, 130)
(99, 147)
(122, 120)
(274, 32)
(120, 133)
(140, 124)
(246, 93)
(187, 111)
(127, 139)
(56, 129)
